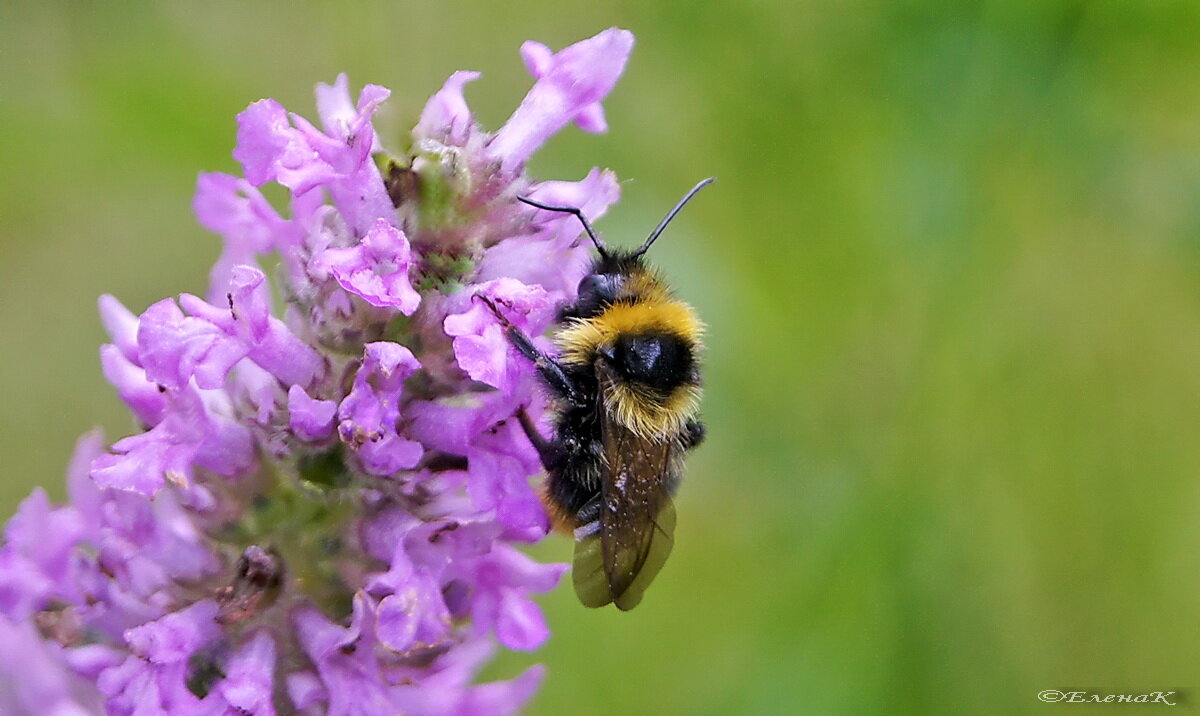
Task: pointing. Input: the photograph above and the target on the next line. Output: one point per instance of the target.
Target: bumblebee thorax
(644, 348)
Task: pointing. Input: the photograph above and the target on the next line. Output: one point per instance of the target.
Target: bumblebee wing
(594, 582)
(620, 550)
(587, 569)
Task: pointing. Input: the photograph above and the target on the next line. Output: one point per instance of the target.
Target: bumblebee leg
(588, 519)
(549, 454)
(693, 434)
(589, 512)
(551, 371)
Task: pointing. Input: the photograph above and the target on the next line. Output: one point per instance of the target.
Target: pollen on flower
(319, 511)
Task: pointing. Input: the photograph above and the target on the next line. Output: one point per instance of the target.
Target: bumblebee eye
(599, 288)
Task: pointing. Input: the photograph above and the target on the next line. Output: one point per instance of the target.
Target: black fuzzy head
(604, 284)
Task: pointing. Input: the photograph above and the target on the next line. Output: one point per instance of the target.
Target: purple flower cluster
(318, 512)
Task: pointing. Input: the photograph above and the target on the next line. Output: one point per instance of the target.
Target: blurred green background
(952, 273)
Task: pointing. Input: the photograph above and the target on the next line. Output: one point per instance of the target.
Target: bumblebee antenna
(578, 214)
(671, 215)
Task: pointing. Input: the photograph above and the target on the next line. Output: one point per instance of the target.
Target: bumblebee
(627, 383)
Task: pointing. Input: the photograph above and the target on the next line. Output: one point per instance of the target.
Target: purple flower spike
(447, 115)
(122, 327)
(176, 636)
(35, 678)
(539, 60)
(312, 420)
(570, 85)
(236, 209)
(190, 436)
(248, 686)
(270, 149)
(36, 556)
(499, 462)
(502, 603)
(502, 698)
(144, 397)
(344, 660)
(357, 189)
(556, 257)
(479, 342)
(370, 413)
(247, 323)
(320, 509)
(175, 348)
(377, 269)
(345, 121)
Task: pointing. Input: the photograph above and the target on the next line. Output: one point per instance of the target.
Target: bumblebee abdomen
(573, 478)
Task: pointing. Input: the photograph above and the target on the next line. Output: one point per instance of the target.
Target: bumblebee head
(618, 276)
(597, 290)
